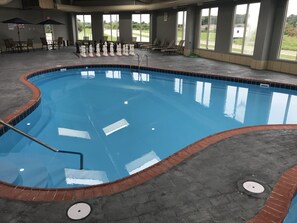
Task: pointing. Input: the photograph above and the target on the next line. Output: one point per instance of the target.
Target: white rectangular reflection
(242, 95)
(140, 76)
(278, 108)
(143, 162)
(116, 74)
(85, 177)
(235, 105)
(203, 91)
(230, 102)
(178, 85)
(74, 133)
(115, 126)
(292, 117)
(88, 74)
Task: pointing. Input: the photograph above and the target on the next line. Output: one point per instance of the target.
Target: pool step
(56, 175)
(31, 172)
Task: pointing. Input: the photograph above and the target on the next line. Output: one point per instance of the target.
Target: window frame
(84, 29)
(184, 25)
(118, 30)
(140, 21)
(245, 29)
(208, 28)
(282, 36)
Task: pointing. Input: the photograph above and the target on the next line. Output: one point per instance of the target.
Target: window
(111, 27)
(245, 28)
(288, 49)
(49, 32)
(208, 28)
(84, 27)
(181, 26)
(141, 27)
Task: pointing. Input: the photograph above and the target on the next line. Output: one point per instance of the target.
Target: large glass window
(84, 27)
(141, 27)
(181, 26)
(288, 49)
(208, 28)
(111, 27)
(245, 28)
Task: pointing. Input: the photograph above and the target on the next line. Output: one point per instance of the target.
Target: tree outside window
(141, 27)
(245, 28)
(208, 28)
(288, 49)
(111, 27)
(84, 27)
(181, 26)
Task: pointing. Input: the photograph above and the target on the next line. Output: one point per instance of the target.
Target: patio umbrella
(17, 21)
(50, 22)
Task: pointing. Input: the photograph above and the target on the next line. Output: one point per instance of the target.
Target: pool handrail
(138, 60)
(146, 56)
(42, 143)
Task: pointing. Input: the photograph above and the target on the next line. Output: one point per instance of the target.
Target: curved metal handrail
(42, 143)
(146, 59)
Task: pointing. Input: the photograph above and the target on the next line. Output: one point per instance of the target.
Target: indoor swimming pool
(124, 120)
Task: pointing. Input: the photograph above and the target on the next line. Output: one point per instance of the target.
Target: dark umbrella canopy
(50, 22)
(16, 21)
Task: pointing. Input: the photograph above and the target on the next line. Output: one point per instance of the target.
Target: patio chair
(29, 44)
(44, 42)
(60, 42)
(175, 49)
(10, 45)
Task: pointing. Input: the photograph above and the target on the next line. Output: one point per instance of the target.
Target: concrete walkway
(203, 188)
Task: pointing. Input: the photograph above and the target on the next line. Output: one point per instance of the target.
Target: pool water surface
(123, 121)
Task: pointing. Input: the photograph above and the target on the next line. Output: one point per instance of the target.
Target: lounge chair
(169, 46)
(175, 49)
(162, 45)
(149, 45)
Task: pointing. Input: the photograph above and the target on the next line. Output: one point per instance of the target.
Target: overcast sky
(292, 9)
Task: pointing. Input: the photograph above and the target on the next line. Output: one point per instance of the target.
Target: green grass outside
(211, 40)
(289, 43)
(287, 57)
(144, 33)
(88, 32)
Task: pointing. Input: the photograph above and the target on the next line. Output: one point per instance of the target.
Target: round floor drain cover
(79, 211)
(253, 187)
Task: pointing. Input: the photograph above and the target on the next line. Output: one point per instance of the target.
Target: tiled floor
(203, 188)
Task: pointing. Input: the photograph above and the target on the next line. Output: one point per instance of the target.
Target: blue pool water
(292, 214)
(125, 121)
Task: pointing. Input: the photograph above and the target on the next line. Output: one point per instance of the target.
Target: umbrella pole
(20, 45)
